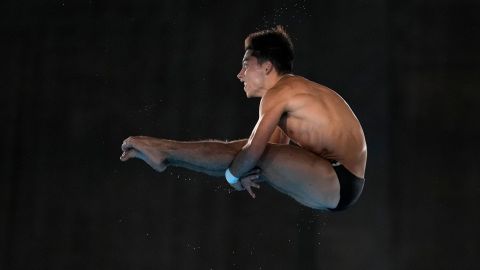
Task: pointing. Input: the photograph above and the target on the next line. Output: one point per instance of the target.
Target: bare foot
(148, 149)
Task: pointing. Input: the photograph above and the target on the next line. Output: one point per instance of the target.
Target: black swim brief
(351, 187)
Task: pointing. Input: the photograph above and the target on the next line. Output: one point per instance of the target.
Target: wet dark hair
(272, 45)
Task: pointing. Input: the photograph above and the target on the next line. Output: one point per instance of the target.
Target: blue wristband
(231, 179)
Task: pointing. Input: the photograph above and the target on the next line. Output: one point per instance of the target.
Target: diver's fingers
(251, 180)
(250, 177)
(249, 189)
(252, 172)
(251, 183)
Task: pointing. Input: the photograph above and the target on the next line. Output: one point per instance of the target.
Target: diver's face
(252, 75)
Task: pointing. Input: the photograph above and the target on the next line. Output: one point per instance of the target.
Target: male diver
(307, 142)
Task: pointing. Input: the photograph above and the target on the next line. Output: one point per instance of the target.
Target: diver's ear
(268, 67)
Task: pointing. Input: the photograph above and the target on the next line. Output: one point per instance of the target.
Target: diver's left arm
(270, 112)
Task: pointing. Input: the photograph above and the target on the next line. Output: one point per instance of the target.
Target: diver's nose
(240, 75)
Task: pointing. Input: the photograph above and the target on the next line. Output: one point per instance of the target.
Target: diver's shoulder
(300, 82)
(289, 83)
(292, 78)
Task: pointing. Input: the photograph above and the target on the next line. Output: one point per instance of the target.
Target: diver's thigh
(303, 175)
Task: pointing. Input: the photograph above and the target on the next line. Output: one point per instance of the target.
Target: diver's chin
(246, 91)
(250, 93)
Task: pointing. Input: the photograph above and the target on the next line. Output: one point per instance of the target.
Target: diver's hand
(248, 181)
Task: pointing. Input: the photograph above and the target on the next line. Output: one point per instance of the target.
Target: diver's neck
(272, 81)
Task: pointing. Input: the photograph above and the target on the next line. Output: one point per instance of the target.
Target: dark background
(78, 77)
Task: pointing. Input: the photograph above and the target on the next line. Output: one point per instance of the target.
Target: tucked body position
(307, 142)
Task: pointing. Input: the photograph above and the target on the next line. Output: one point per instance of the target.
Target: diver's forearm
(244, 162)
